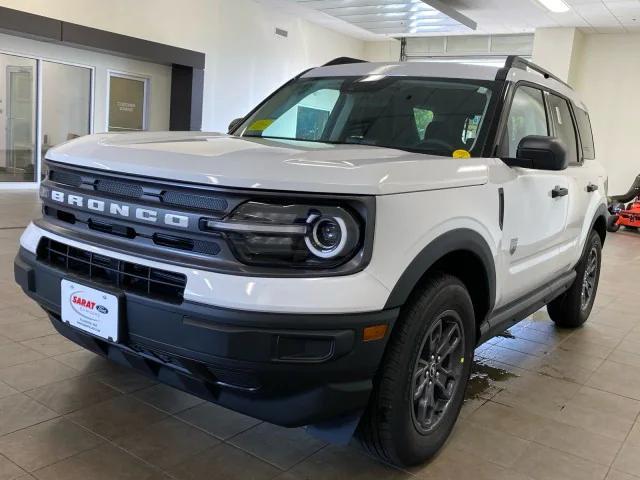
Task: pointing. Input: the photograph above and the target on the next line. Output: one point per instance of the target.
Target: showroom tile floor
(543, 403)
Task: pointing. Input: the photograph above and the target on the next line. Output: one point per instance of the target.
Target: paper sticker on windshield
(260, 125)
(461, 154)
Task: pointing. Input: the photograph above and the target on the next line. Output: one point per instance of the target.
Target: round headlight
(328, 236)
(327, 233)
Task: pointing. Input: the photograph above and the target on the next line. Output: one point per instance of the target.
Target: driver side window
(527, 116)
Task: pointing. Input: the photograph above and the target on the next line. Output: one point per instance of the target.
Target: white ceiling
(512, 16)
(492, 16)
(394, 17)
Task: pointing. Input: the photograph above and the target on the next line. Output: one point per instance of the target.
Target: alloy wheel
(438, 371)
(590, 277)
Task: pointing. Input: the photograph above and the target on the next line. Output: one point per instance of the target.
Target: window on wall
(31, 123)
(18, 76)
(66, 103)
(127, 103)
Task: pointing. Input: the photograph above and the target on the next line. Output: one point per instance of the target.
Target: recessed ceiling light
(556, 6)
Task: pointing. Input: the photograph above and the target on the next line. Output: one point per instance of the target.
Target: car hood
(253, 163)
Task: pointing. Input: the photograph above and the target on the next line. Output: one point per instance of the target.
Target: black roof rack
(343, 61)
(514, 61)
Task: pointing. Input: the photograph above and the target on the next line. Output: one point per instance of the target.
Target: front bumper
(287, 369)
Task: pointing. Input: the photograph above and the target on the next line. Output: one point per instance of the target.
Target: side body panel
(407, 224)
(586, 202)
(536, 246)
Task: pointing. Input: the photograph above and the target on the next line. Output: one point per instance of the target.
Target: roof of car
(407, 69)
(518, 70)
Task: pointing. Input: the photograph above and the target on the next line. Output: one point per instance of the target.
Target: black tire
(391, 427)
(572, 309)
(612, 223)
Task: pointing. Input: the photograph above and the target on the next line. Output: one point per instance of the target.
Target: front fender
(461, 239)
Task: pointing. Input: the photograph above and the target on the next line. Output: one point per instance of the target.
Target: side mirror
(235, 124)
(540, 153)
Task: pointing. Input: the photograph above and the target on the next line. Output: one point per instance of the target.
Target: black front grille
(126, 276)
(66, 178)
(120, 189)
(199, 202)
(144, 190)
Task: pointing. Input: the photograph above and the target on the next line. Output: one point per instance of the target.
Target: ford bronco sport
(335, 258)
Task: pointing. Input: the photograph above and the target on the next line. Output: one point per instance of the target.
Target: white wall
(553, 49)
(245, 60)
(604, 70)
(607, 76)
(383, 51)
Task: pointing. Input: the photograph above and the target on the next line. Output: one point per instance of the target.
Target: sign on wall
(127, 103)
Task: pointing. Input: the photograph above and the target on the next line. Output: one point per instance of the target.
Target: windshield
(435, 116)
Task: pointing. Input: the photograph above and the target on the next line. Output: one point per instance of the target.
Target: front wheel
(572, 308)
(421, 384)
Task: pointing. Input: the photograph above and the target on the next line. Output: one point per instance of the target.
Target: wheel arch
(599, 223)
(463, 253)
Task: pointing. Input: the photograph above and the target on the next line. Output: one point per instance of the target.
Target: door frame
(33, 74)
(39, 77)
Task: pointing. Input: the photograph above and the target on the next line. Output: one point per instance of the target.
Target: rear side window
(586, 135)
(526, 117)
(563, 126)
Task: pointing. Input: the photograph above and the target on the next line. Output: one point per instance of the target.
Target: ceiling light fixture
(555, 6)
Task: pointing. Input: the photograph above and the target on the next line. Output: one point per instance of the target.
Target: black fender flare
(601, 212)
(461, 239)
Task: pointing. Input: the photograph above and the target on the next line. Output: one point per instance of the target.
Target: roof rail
(514, 61)
(343, 61)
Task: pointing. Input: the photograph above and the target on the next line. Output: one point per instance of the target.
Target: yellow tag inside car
(461, 154)
(260, 125)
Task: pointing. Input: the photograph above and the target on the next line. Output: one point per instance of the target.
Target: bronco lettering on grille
(120, 209)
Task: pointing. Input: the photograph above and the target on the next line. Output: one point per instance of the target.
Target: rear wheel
(420, 387)
(612, 223)
(572, 308)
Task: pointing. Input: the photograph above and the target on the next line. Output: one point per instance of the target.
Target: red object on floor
(630, 217)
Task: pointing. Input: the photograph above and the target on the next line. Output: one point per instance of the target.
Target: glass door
(17, 119)
(66, 103)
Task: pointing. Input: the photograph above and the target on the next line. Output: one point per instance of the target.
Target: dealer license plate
(91, 310)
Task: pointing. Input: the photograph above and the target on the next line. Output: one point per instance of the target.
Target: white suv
(334, 260)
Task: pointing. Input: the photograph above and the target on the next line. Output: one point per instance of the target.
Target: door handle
(559, 192)
(592, 187)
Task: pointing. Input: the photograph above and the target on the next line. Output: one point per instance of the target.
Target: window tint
(584, 128)
(527, 117)
(563, 126)
(431, 116)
